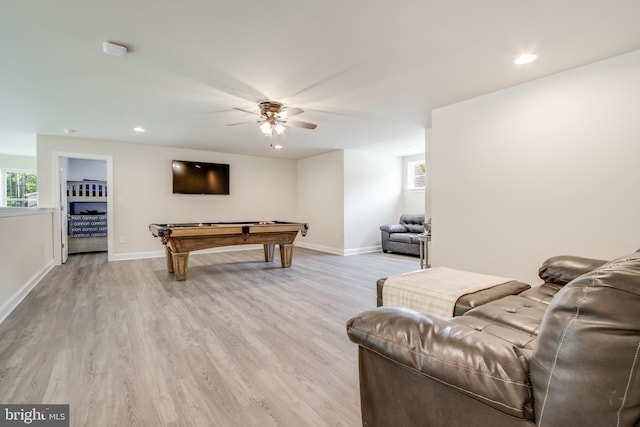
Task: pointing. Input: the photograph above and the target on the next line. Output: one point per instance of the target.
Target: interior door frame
(64, 214)
(58, 157)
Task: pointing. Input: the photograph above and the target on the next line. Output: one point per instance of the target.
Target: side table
(424, 239)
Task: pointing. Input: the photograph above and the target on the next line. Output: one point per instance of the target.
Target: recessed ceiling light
(276, 146)
(525, 58)
(139, 129)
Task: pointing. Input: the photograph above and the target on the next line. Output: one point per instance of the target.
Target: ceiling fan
(274, 116)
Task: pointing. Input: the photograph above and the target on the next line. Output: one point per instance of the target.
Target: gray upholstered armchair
(403, 237)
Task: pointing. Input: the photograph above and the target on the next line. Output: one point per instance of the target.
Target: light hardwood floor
(240, 343)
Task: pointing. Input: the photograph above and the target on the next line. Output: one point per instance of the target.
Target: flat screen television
(200, 178)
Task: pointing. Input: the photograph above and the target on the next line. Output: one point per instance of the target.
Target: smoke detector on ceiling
(114, 49)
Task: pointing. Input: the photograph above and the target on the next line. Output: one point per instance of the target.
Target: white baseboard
(137, 255)
(12, 303)
(320, 248)
(358, 251)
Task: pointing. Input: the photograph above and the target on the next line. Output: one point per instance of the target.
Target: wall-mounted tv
(200, 178)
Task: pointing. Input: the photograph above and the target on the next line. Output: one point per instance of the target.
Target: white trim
(319, 248)
(359, 251)
(409, 174)
(3, 179)
(137, 255)
(16, 299)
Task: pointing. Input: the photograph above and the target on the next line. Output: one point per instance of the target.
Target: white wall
(261, 189)
(345, 196)
(27, 254)
(320, 194)
(428, 159)
(545, 168)
(372, 196)
(81, 169)
(18, 162)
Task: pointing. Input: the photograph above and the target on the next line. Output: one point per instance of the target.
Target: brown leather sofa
(565, 353)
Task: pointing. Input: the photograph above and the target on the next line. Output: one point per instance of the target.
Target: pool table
(180, 239)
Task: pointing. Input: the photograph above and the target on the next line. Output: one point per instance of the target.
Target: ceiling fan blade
(239, 123)
(288, 112)
(299, 124)
(246, 111)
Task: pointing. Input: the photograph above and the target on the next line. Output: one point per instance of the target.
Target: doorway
(84, 194)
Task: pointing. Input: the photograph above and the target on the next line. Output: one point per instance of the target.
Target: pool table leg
(177, 263)
(168, 252)
(268, 251)
(180, 261)
(286, 255)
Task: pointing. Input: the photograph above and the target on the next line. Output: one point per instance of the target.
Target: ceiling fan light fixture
(274, 118)
(266, 128)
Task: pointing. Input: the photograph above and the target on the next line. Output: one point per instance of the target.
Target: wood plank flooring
(240, 343)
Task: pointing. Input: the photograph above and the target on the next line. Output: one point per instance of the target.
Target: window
(417, 178)
(19, 188)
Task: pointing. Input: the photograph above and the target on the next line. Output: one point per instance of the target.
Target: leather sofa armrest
(393, 228)
(483, 366)
(562, 269)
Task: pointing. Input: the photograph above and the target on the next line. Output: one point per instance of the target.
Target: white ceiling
(369, 73)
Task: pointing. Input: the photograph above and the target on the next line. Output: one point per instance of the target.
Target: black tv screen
(200, 178)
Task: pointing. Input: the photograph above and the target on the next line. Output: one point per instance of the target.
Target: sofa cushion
(393, 228)
(404, 238)
(585, 369)
(415, 219)
(476, 299)
(415, 228)
(413, 222)
(513, 311)
(516, 337)
(562, 269)
(543, 293)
